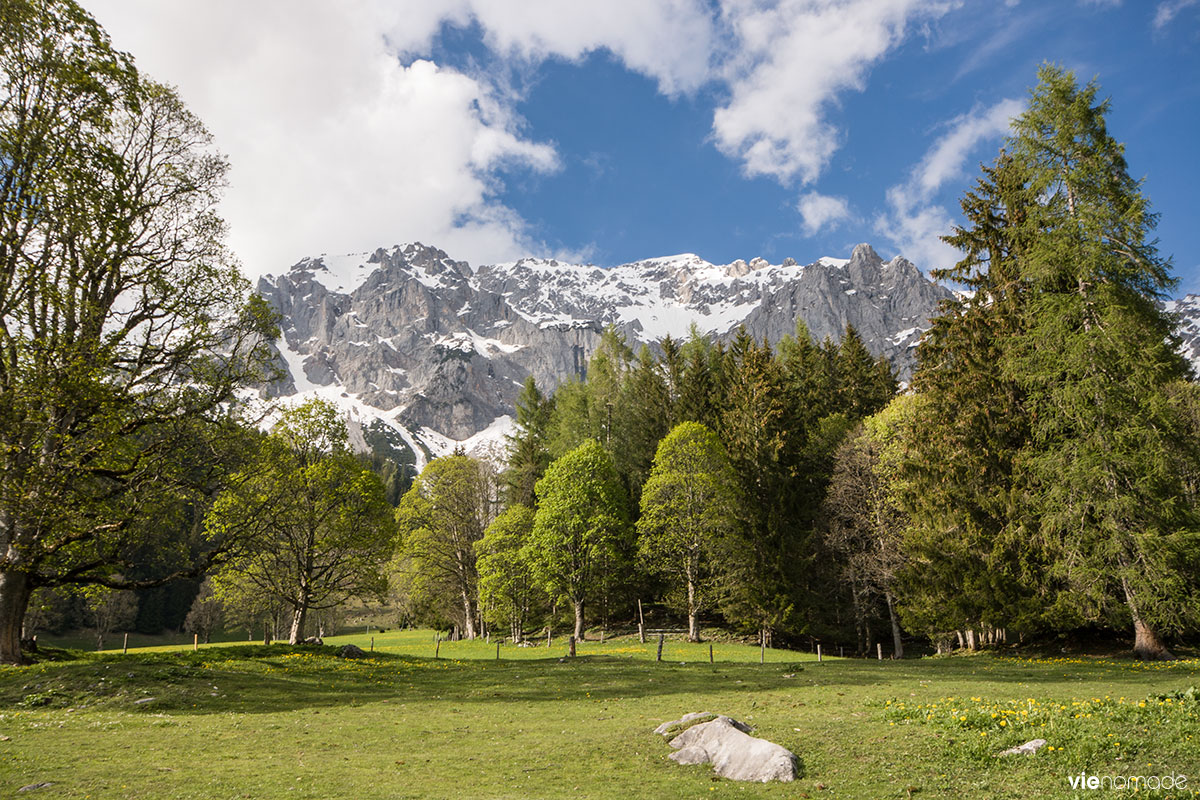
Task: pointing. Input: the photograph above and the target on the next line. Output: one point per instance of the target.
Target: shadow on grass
(252, 679)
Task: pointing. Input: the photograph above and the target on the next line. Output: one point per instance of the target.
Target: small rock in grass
(1027, 749)
(351, 651)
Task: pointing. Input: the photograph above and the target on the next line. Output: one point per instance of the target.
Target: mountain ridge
(436, 351)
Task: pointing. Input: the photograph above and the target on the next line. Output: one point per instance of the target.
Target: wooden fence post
(497, 649)
(641, 624)
(571, 645)
(818, 654)
(762, 648)
(195, 642)
(660, 644)
(125, 647)
(879, 650)
(372, 644)
(710, 655)
(437, 648)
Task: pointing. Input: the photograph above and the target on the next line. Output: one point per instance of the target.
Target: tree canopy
(126, 329)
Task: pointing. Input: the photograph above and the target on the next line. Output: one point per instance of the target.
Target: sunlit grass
(263, 722)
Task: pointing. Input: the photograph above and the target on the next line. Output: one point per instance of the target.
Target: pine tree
(757, 565)
(862, 386)
(970, 564)
(528, 446)
(645, 418)
(700, 387)
(1096, 357)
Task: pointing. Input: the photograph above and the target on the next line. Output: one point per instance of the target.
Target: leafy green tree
(126, 331)
(441, 519)
(581, 534)
(507, 590)
(316, 526)
(108, 610)
(689, 506)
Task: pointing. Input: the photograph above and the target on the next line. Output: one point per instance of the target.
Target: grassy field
(244, 721)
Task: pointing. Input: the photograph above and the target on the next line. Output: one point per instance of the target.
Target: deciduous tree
(689, 505)
(315, 526)
(581, 531)
(125, 328)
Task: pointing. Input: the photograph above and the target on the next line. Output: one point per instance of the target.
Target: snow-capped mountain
(424, 352)
(1187, 312)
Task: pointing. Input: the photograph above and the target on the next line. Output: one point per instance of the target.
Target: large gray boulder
(734, 753)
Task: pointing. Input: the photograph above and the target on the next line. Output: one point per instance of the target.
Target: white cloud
(818, 211)
(947, 158)
(335, 144)
(793, 58)
(668, 40)
(343, 135)
(342, 138)
(913, 222)
(1167, 10)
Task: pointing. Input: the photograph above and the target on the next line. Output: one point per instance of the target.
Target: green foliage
(508, 592)
(689, 505)
(440, 519)
(316, 526)
(581, 534)
(528, 446)
(1049, 479)
(126, 329)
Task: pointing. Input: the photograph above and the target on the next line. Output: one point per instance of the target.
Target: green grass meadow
(247, 721)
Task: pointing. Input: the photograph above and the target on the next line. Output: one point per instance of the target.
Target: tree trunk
(14, 600)
(579, 620)
(897, 644)
(693, 613)
(971, 640)
(468, 616)
(1146, 643)
(298, 619)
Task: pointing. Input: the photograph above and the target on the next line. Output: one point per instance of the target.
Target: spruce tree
(1096, 357)
(528, 446)
(969, 562)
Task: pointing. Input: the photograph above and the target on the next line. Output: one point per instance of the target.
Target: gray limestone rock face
(435, 345)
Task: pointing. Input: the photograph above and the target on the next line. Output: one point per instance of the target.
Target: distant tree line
(691, 479)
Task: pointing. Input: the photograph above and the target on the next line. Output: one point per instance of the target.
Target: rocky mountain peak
(436, 352)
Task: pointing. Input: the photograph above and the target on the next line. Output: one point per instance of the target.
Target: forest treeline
(1039, 475)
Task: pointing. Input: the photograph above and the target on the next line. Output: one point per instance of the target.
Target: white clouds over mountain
(913, 223)
(342, 131)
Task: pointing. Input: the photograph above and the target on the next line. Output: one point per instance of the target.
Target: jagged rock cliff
(429, 351)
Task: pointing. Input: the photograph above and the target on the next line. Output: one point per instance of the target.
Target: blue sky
(608, 132)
